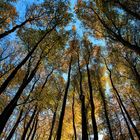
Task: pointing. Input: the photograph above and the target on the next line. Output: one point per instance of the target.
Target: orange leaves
(8, 20)
(73, 28)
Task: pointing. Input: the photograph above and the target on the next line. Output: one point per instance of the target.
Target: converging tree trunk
(73, 118)
(14, 72)
(121, 103)
(95, 131)
(59, 130)
(12, 104)
(23, 137)
(15, 126)
(83, 108)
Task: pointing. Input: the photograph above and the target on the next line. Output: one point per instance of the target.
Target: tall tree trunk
(59, 130)
(11, 106)
(127, 124)
(14, 72)
(106, 112)
(92, 105)
(32, 127)
(15, 126)
(121, 103)
(28, 124)
(73, 118)
(35, 129)
(53, 123)
(83, 108)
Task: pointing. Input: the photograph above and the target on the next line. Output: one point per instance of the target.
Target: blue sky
(21, 8)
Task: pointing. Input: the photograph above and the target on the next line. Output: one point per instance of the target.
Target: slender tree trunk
(14, 72)
(32, 127)
(53, 123)
(59, 131)
(127, 124)
(73, 118)
(35, 129)
(106, 112)
(11, 106)
(14, 28)
(125, 119)
(92, 105)
(15, 126)
(120, 101)
(28, 124)
(119, 98)
(83, 108)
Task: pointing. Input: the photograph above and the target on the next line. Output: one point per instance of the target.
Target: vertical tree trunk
(35, 129)
(15, 126)
(83, 108)
(127, 124)
(11, 106)
(59, 131)
(92, 105)
(121, 103)
(105, 111)
(53, 123)
(32, 128)
(73, 118)
(28, 124)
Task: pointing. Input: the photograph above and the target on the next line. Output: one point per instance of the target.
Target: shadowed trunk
(23, 137)
(15, 126)
(73, 118)
(14, 72)
(35, 129)
(59, 131)
(11, 106)
(106, 112)
(53, 123)
(83, 108)
(95, 131)
(120, 101)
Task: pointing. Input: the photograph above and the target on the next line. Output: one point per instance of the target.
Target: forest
(69, 70)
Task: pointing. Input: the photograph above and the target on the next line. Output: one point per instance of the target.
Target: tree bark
(92, 105)
(53, 123)
(28, 124)
(83, 108)
(35, 129)
(73, 118)
(14, 72)
(106, 112)
(59, 131)
(15, 126)
(11, 106)
(120, 101)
